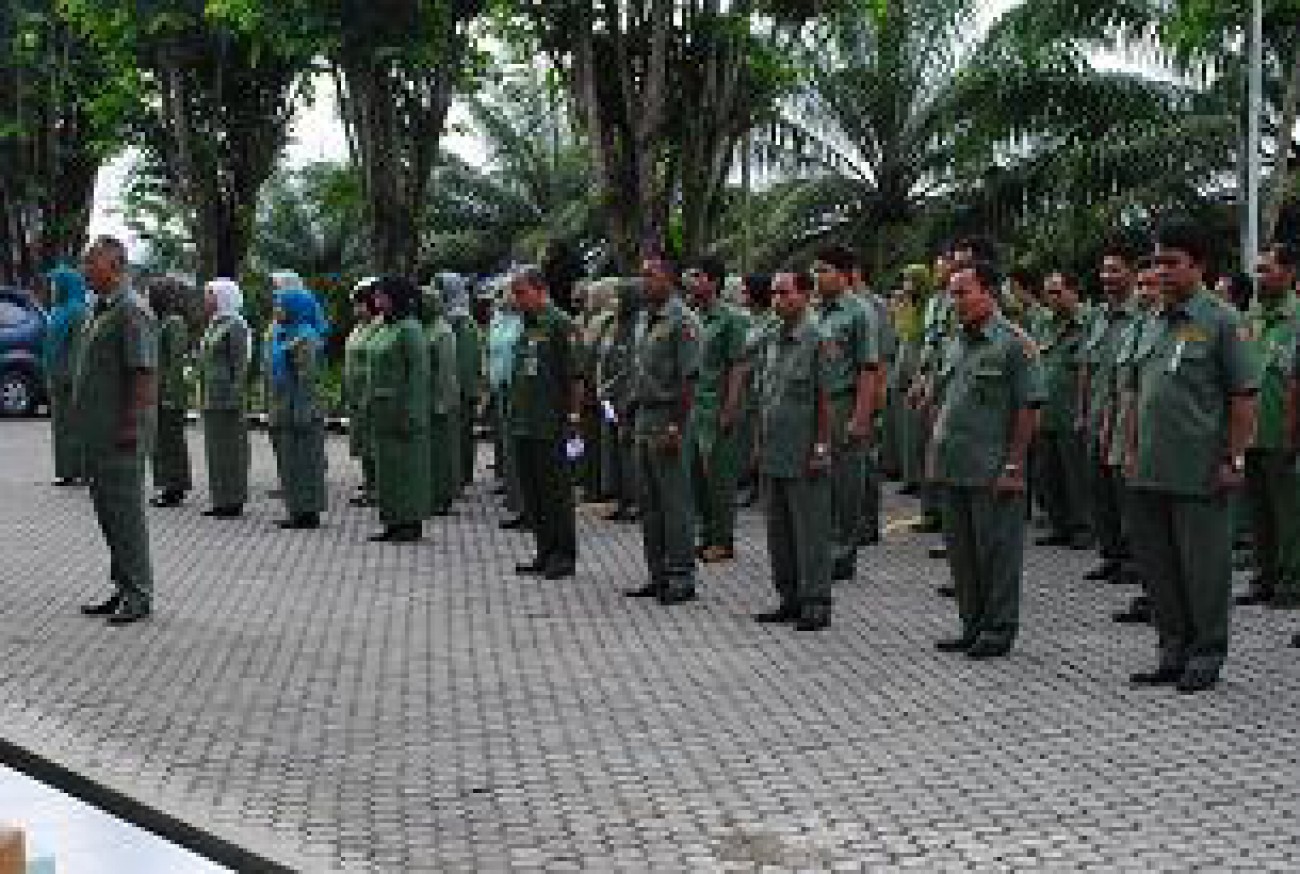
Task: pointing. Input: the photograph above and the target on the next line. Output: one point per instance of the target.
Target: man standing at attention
(113, 398)
(715, 425)
(667, 363)
(1194, 420)
(989, 388)
(853, 367)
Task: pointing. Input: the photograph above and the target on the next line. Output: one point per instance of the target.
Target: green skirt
(225, 446)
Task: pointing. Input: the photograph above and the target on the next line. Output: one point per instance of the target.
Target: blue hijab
(301, 308)
(68, 297)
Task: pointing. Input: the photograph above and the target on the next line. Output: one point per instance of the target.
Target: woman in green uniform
(398, 412)
(444, 408)
(224, 353)
(171, 458)
(62, 340)
(356, 388)
(296, 420)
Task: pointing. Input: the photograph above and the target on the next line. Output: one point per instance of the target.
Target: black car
(22, 333)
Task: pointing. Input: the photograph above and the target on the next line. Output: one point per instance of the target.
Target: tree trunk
(1285, 146)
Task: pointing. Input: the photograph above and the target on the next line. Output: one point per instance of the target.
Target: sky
(317, 135)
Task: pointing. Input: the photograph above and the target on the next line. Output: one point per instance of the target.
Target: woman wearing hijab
(62, 341)
(171, 457)
(296, 420)
(356, 387)
(398, 413)
(223, 375)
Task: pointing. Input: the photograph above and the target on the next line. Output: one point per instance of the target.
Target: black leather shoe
(842, 572)
(559, 572)
(988, 649)
(106, 608)
(1198, 680)
(1080, 541)
(129, 615)
(304, 522)
(1160, 677)
(814, 618)
(167, 499)
(955, 644)
(938, 552)
(224, 512)
(1132, 616)
(515, 524)
(649, 590)
(670, 597)
(1253, 599)
(1105, 571)
(66, 481)
(1054, 540)
(382, 537)
(946, 591)
(927, 526)
(406, 533)
(535, 567)
(781, 614)
(1295, 641)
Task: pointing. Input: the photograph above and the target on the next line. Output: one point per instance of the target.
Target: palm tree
(916, 123)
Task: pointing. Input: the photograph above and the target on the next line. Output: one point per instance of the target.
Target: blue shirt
(503, 334)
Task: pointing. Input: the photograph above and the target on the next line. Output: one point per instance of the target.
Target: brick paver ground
(340, 705)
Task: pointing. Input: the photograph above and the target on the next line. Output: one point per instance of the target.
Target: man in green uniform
(613, 390)
(1194, 420)
(67, 318)
(762, 323)
(989, 387)
(667, 364)
(1061, 438)
(1101, 395)
(853, 367)
(114, 402)
(545, 414)
(794, 459)
(1272, 488)
(171, 458)
(719, 404)
(938, 329)
(887, 344)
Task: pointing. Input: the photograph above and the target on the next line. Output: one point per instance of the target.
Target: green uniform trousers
(171, 457)
(1064, 484)
(507, 467)
(872, 487)
(546, 488)
(1183, 546)
(403, 494)
(301, 460)
(1274, 501)
(667, 521)
(117, 494)
(468, 403)
(715, 475)
(68, 451)
(226, 450)
(444, 450)
(985, 535)
(1107, 502)
(912, 439)
(848, 486)
(618, 444)
(798, 542)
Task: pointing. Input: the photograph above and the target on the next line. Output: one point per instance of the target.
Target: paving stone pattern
(347, 706)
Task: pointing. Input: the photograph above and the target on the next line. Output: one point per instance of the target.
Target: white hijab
(230, 302)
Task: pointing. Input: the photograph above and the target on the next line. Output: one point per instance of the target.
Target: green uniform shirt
(1101, 352)
(1062, 359)
(667, 355)
(444, 367)
(1139, 331)
(543, 375)
(795, 377)
(173, 345)
(722, 346)
(468, 355)
(356, 368)
(223, 365)
(988, 377)
(1186, 371)
(852, 340)
(397, 355)
(296, 402)
(1272, 337)
(120, 339)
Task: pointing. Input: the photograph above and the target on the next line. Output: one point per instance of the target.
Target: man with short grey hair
(113, 403)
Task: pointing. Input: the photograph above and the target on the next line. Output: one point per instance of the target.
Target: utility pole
(1254, 112)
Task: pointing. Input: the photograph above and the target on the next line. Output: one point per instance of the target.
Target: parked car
(22, 332)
